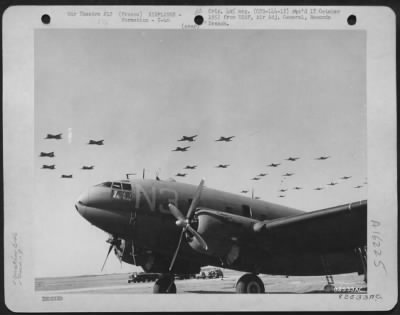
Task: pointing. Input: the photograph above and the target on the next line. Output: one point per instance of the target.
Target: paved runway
(118, 284)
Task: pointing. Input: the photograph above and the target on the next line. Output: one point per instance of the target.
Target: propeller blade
(197, 236)
(177, 250)
(109, 251)
(133, 253)
(176, 213)
(195, 200)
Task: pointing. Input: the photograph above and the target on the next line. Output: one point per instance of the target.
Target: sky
(281, 93)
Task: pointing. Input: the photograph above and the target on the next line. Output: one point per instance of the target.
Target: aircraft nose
(82, 202)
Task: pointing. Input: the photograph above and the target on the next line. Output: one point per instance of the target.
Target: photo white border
(19, 24)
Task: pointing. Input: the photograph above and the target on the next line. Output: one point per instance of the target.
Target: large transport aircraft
(175, 228)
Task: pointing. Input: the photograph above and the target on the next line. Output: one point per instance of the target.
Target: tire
(164, 285)
(250, 283)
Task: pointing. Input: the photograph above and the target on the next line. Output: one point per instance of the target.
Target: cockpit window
(105, 184)
(116, 185)
(126, 186)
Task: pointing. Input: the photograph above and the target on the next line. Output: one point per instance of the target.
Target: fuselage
(137, 210)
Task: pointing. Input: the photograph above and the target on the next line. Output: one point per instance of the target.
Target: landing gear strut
(330, 287)
(250, 283)
(165, 284)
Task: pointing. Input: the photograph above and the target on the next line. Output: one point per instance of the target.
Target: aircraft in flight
(210, 227)
(49, 167)
(359, 186)
(322, 158)
(288, 174)
(181, 174)
(226, 139)
(66, 176)
(332, 184)
(283, 190)
(274, 164)
(222, 165)
(84, 167)
(96, 142)
(255, 178)
(297, 188)
(244, 191)
(292, 159)
(184, 149)
(262, 174)
(190, 167)
(57, 137)
(345, 177)
(318, 188)
(188, 138)
(44, 154)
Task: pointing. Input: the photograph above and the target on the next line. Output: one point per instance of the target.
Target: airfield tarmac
(118, 284)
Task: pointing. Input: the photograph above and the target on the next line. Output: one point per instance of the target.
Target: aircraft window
(246, 211)
(122, 195)
(105, 184)
(126, 186)
(116, 185)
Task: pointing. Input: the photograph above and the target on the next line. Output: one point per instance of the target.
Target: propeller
(184, 222)
(113, 242)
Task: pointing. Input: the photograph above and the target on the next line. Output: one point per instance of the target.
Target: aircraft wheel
(165, 284)
(250, 283)
(329, 288)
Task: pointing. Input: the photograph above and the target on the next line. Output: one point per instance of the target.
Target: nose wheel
(165, 284)
(250, 283)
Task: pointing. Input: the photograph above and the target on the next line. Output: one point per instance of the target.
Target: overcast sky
(280, 93)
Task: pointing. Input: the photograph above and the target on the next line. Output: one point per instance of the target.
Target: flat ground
(118, 284)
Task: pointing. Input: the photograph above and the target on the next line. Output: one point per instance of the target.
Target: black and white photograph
(222, 155)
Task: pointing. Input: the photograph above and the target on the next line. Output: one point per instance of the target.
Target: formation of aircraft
(44, 154)
(96, 142)
(211, 227)
(182, 149)
(57, 136)
(50, 167)
(188, 138)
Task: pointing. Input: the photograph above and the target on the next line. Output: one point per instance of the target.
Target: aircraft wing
(337, 228)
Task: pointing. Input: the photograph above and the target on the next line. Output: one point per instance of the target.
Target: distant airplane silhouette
(222, 166)
(345, 177)
(297, 188)
(274, 165)
(332, 184)
(226, 139)
(88, 167)
(288, 174)
(190, 167)
(262, 174)
(57, 137)
(281, 196)
(181, 174)
(99, 142)
(359, 186)
(50, 154)
(184, 149)
(244, 191)
(50, 167)
(322, 157)
(255, 178)
(283, 190)
(188, 138)
(318, 188)
(66, 176)
(256, 198)
(292, 159)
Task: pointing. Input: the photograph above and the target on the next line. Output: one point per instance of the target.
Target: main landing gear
(165, 284)
(250, 283)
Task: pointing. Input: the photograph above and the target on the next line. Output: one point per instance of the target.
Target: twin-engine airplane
(174, 228)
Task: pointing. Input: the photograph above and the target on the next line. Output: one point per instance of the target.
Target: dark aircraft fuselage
(138, 210)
